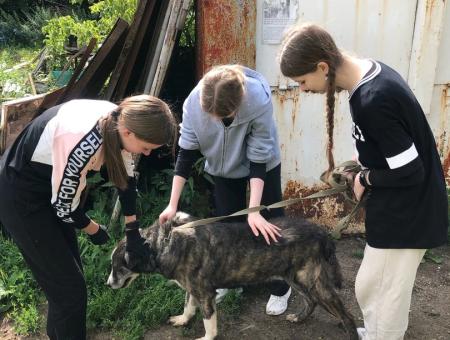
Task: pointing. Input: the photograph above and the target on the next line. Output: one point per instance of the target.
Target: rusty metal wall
(412, 36)
(439, 116)
(225, 33)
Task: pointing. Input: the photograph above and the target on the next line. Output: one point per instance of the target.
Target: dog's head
(121, 275)
(125, 268)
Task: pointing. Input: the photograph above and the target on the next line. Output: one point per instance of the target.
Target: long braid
(330, 116)
(303, 48)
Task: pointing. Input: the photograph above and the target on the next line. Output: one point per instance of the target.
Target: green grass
(146, 303)
(19, 292)
(358, 253)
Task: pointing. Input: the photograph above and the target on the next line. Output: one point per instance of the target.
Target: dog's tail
(334, 269)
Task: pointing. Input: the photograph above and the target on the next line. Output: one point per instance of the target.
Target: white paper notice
(278, 15)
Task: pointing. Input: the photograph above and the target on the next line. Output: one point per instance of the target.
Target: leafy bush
(14, 81)
(57, 32)
(105, 13)
(24, 28)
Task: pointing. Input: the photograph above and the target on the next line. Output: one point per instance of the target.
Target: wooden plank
(123, 58)
(154, 41)
(176, 24)
(78, 70)
(125, 77)
(93, 78)
(15, 114)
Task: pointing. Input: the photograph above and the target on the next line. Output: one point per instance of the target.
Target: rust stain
(429, 7)
(442, 141)
(446, 168)
(327, 211)
(281, 96)
(226, 33)
(445, 96)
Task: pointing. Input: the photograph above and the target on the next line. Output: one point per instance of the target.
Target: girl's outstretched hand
(259, 224)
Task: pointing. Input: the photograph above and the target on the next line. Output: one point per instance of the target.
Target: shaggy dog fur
(227, 255)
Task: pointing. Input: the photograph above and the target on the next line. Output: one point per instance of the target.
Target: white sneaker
(222, 292)
(362, 333)
(278, 304)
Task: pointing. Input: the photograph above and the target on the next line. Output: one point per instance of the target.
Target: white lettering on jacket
(78, 159)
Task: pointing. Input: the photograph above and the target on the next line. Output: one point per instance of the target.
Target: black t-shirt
(407, 204)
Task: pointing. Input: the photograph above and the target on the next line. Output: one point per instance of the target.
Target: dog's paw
(292, 317)
(178, 320)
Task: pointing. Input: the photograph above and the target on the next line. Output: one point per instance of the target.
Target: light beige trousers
(383, 288)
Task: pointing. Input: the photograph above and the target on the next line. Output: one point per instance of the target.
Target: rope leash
(341, 182)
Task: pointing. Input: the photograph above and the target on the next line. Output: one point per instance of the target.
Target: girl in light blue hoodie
(228, 118)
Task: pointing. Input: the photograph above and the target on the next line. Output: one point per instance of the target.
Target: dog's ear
(181, 218)
(141, 264)
(131, 260)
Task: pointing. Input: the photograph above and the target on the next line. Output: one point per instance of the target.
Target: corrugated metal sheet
(225, 33)
(440, 104)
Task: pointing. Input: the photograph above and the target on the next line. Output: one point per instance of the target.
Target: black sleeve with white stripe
(410, 174)
(395, 143)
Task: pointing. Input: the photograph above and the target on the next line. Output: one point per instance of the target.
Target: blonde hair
(301, 51)
(222, 90)
(148, 117)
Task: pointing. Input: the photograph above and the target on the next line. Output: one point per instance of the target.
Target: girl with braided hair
(42, 176)
(406, 209)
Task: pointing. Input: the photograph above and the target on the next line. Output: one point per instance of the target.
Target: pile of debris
(132, 59)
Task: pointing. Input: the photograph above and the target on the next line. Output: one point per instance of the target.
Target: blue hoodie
(252, 136)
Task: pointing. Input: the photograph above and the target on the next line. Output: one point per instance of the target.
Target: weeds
(19, 293)
(14, 80)
(358, 253)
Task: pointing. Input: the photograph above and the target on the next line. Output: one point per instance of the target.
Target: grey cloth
(252, 136)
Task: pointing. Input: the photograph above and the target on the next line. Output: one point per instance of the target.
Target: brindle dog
(227, 255)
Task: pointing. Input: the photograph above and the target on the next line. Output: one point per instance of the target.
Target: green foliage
(108, 11)
(432, 257)
(26, 319)
(19, 293)
(231, 303)
(24, 28)
(146, 303)
(14, 80)
(187, 37)
(58, 30)
(358, 253)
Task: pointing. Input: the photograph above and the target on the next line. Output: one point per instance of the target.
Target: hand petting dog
(135, 248)
(259, 224)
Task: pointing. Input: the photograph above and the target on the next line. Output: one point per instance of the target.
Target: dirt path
(429, 317)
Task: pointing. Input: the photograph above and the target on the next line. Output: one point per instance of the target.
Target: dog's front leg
(188, 313)
(208, 308)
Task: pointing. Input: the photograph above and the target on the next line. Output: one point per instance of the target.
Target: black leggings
(51, 251)
(230, 195)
